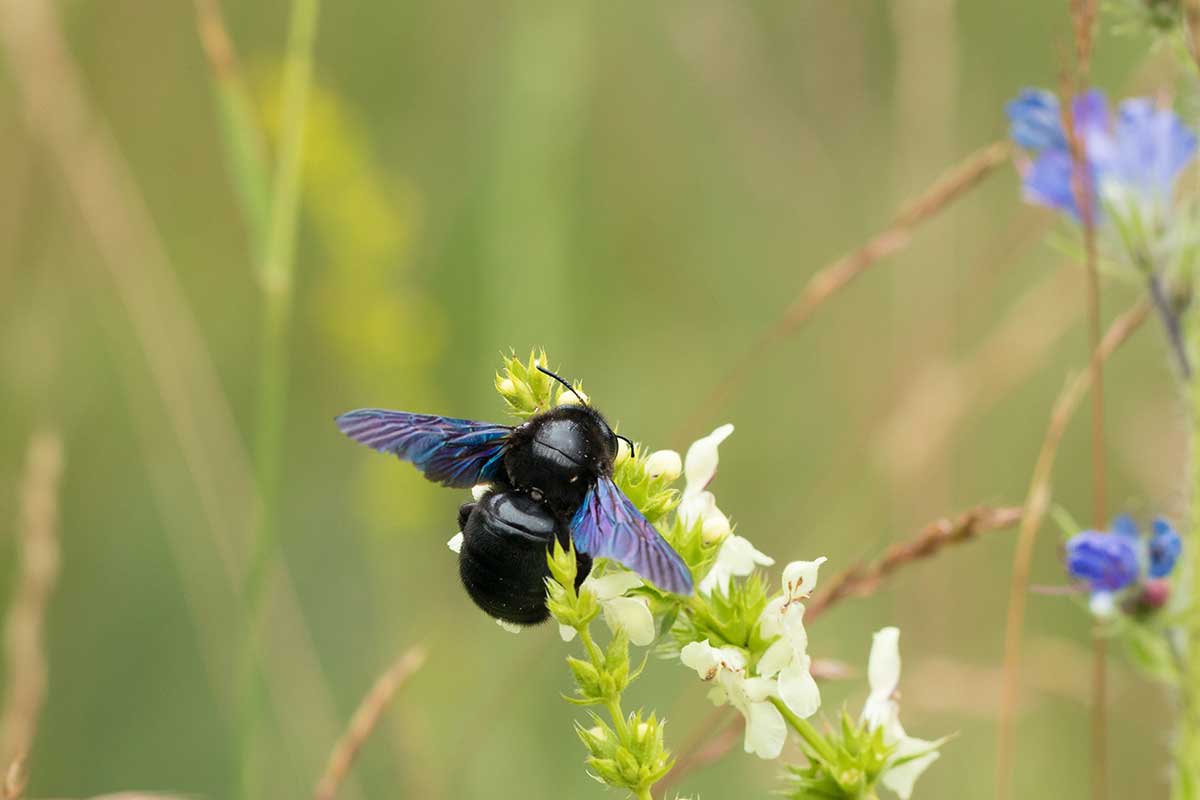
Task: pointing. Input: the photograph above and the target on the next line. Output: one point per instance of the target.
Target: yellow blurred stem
(1186, 783)
(276, 267)
(245, 150)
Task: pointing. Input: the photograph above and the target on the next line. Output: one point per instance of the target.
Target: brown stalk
(1083, 17)
(99, 183)
(363, 723)
(24, 644)
(833, 277)
(1191, 26)
(1036, 502)
(863, 579)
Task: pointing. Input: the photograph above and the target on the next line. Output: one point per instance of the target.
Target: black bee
(550, 477)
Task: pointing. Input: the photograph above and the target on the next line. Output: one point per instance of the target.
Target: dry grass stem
(1083, 17)
(838, 274)
(1036, 502)
(862, 580)
(363, 723)
(16, 778)
(24, 642)
(1191, 24)
(49, 90)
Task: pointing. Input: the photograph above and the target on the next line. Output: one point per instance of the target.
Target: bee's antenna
(563, 382)
(627, 441)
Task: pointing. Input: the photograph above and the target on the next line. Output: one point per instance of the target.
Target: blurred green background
(641, 188)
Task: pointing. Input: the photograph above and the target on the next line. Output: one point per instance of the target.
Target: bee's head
(613, 437)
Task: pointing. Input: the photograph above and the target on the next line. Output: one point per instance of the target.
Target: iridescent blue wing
(453, 452)
(608, 525)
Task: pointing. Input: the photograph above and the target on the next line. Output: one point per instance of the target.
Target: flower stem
(1187, 746)
(276, 257)
(1170, 319)
(644, 793)
(807, 732)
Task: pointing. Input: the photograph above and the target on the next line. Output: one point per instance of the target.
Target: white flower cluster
(782, 671)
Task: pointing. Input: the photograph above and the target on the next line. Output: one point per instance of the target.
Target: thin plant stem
(1186, 779)
(275, 277)
(807, 732)
(1083, 16)
(1037, 500)
(245, 150)
(26, 672)
(365, 720)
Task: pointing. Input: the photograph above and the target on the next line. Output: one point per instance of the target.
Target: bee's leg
(464, 513)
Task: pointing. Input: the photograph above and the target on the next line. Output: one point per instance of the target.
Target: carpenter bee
(550, 480)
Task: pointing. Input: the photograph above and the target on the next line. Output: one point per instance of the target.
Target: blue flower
(1135, 160)
(1163, 549)
(1036, 120)
(1108, 563)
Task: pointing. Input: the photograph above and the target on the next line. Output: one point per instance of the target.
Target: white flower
(511, 627)
(664, 464)
(766, 730)
(1103, 605)
(455, 542)
(736, 558)
(479, 490)
(787, 657)
(632, 614)
(883, 711)
(696, 504)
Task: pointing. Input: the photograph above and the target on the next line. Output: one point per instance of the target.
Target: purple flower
(1106, 561)
(1163, 549)
(1140, 156)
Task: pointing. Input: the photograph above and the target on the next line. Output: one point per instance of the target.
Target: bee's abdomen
(503, 558)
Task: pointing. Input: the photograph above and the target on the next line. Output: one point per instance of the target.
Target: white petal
(664, 463)
(883, 666)
(765, 730)
(567, 633)
(778, 656)
(800, 578)
(756, 690)
(479, 490)
(633, 615)
(508, 626)
(798, 690)
(769, 623)
(1103, 605)
(716, 695)
(455, 543)
(695, 507)
(737, 557)
(708, 661)
(791, 621)
(614, 584)
(700, 465)
(881, 711)
(901, 779)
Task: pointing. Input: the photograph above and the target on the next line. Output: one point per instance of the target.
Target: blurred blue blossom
(1164, 548)
(1121, 558)
(1133, 161)
(1106, 561)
